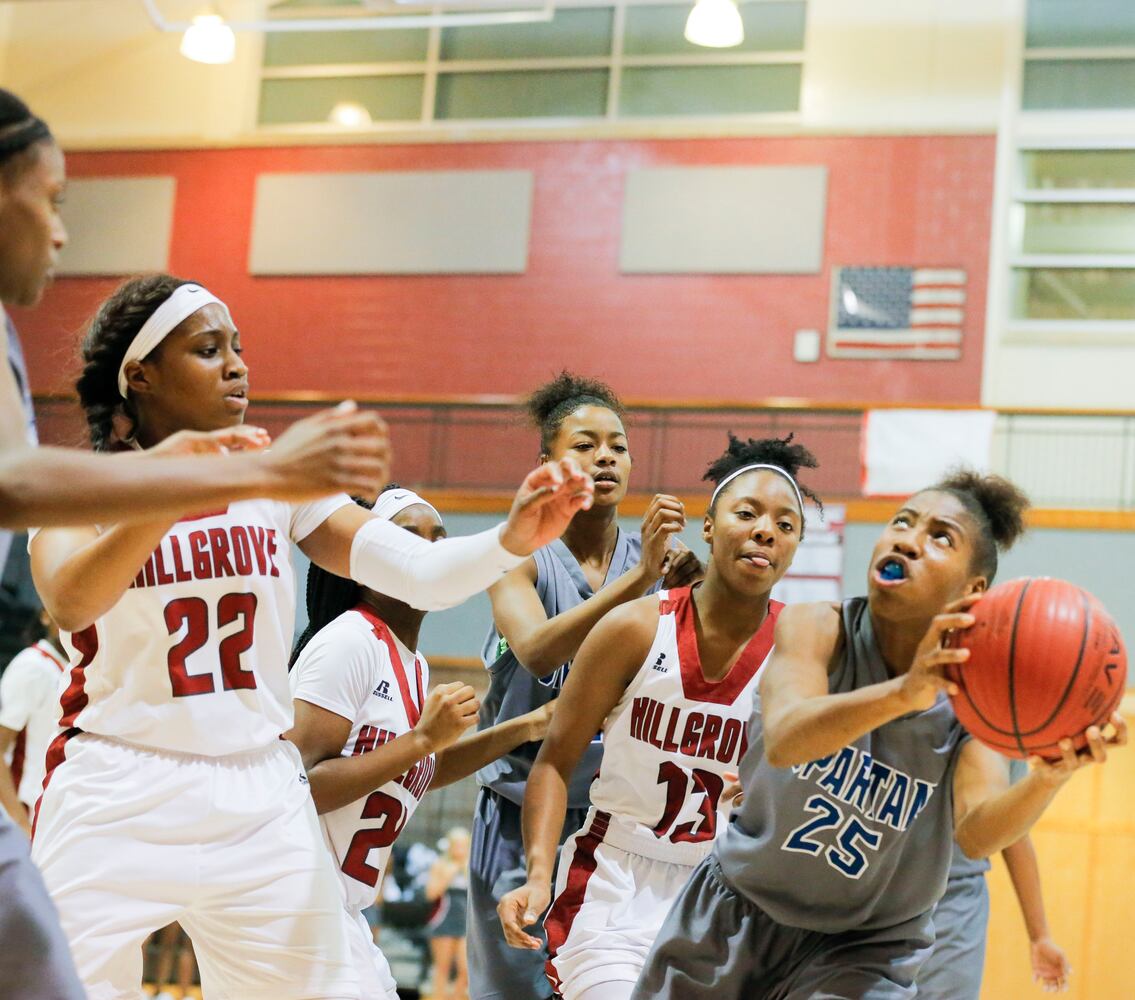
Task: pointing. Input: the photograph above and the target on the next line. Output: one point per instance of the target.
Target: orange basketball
(1046, 662)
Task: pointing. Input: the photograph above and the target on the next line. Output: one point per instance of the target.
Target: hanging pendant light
(209, 40)
(715, 24)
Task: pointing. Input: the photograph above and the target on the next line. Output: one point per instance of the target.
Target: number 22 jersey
(193, 656)
(356, 668)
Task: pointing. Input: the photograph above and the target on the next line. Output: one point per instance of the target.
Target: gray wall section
(1096, 560)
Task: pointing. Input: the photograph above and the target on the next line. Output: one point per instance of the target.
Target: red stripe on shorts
(557, 925)
(56, 753)
(74, 699)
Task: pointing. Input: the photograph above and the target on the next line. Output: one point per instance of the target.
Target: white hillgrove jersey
(194, 656)
(29, 704)
(356, 668)
(673, 736)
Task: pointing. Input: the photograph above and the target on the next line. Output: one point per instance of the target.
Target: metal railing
(481, 444)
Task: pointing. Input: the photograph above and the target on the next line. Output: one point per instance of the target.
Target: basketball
(1046, 662)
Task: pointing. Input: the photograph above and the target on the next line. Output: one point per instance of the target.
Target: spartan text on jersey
(211, 553)
(692, 732)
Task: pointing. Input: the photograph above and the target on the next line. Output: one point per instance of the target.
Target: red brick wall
(922, 201)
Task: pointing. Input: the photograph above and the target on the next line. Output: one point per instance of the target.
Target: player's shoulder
(348, 638)
(637, 619)
(821, 622)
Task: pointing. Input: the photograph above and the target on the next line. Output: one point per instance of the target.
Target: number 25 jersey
(673, 736)
(357, 669)
(193, 657)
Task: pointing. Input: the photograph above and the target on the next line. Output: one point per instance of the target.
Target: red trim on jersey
(48, 654)
(19, 757)
(557, 924)
(695, 685)
(74, 699)
(56, 754)
(383, 635)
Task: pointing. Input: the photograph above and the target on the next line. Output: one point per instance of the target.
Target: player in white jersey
(671, 679)
(169, 795)
(372, 741)
(28, 702)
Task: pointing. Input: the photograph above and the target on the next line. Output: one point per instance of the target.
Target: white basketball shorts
(130, 839)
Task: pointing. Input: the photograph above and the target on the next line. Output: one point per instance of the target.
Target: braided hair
(105, 343)
(551, 404)
(21, 132)
(780, 452)
(998, 508)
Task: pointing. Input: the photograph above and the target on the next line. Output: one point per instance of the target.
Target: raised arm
(332, 452)
(990, 816)
(606, 663)
(430, 576)
(542, 644)
(803, 722)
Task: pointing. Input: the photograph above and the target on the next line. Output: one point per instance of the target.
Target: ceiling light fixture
(209, 40)
(715, 24)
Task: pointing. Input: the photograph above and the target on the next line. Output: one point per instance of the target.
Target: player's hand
(1050, 965)
(665, 516)
(732, 795)
(450, 709)
(538, 721)
(335, 451)
(243, 437)
(1097, 741)
(681, 567)
(522, 908)
(547, 500)
(927, 675)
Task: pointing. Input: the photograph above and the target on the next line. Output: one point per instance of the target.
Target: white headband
(393, 502)
(759, 465)
(182, 304)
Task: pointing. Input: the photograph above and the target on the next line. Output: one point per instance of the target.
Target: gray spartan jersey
(513, 691)
(861, 839)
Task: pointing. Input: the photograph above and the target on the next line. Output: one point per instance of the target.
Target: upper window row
(623, 61)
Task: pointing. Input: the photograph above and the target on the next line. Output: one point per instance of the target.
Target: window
(592, 61)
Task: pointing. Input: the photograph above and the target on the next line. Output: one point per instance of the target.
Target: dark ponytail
(107, 339)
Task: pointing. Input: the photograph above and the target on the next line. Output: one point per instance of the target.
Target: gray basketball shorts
(716, 944)
(35, 962)
(961, 918)
(498, 971)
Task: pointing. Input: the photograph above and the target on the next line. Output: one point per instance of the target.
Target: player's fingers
(947, 654)
(1096, 745)
(949, 622)
(1118, 725)
(1068, 755)
(962, 603)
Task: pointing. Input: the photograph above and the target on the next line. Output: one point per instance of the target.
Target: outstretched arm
(470, 755)
(336, 451)
(606, 663)
(430, 576)
(989, 816)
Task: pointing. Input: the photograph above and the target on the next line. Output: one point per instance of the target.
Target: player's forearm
(1002, 820)
(811, 728)
(87, 584)
(50, 487)
(9, 799)
(542, 819)
(339, 781)
(1020, 859)
(545, 647)
(467, 757)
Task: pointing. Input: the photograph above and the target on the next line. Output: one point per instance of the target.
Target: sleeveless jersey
(859, 840)
(513, 691)
(194, 656)
(356, 668)
(29, 704)
(673, 736)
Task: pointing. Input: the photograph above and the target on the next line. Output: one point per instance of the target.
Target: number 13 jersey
(674, 735)
(193, 656)
(356, 668)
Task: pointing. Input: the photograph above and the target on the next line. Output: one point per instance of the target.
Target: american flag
(897, 312)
